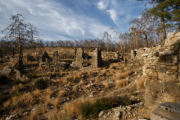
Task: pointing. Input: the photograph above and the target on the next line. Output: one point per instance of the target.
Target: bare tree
(18, 31)
(31, 34)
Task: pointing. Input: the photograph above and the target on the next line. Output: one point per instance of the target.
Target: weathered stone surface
(96, 58)
(172, 38)
(79, 58)
(166, 111)
(84, 60)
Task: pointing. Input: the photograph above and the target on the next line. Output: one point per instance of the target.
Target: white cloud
(53, 20)
(113, 14)
(101, 5)
(120, 11)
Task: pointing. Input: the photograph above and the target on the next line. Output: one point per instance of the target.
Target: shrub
(18, 81)
(122, 83)
(156, 54)
(123, 75)
(40, 84)
(91, 110)
(4, 80)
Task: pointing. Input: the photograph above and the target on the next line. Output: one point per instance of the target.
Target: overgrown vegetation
(40, 84)
(92, 109)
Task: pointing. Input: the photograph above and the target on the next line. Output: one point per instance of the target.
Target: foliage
(18, 81)
(40, 84)
(156, 54)
(92, 109)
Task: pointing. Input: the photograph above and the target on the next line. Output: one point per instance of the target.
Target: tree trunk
(163, 29)
(20, 60)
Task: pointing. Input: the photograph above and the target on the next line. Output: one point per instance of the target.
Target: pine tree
(168, 11)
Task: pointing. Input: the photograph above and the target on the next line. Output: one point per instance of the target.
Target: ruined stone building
(84, 60)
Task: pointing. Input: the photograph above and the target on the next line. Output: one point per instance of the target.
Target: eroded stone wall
(162, 74)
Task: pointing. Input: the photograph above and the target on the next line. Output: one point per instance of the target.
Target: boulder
(166, 111)
(172, 38)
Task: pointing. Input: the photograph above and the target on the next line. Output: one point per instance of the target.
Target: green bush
(91, 110)
(4, 80)
(40, 84)
(18, 81)
(156, 54)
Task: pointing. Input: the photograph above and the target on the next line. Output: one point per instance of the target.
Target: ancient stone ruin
(160, 71)
(84, 60)
(79, 58)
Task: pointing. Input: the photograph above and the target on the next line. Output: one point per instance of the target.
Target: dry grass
(53, 115)
(73, 108)
(89, 73)
(37, 93)
(47, 101)
(75, 88)
(43, 109)
(140, 83)
(96, 79)
(81, 82)
(15, 89)
(34, 115)
(7, 104)
(121, 83)
(123, 75)
(48, 92)
(15, 101)
(79, 74)
(64, 80)
(61, 93)
(106, 84)
(28, 98)
(20, 86)
(56, 103)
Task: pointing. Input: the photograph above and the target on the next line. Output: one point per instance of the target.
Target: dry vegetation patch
(123, 75)
(140, 83)
(121, 83)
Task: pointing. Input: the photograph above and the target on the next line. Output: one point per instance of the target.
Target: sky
(73, 19)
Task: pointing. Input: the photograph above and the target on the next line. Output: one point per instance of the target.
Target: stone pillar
(96, 58)
(56, 57)
(79, 58)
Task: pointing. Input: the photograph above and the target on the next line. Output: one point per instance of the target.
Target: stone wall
(87, 60)
(63, 52)
(163, 75)
(79, 58)
(110, 55)
(96, 58)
